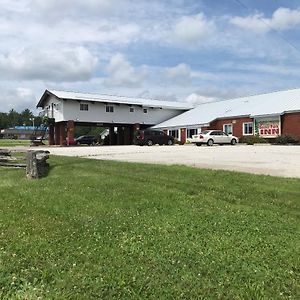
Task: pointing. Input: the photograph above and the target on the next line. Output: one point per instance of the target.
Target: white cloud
(254, 23)
(17, 98)
(100, 32)
(195, 99)
(282, 19)
(9, 6)
(56, 43)
(62, 64)
(69, 31)
(192, 30)
(122, 73)
(278, 69)
(181, 71)
(57, 8)
(285, 18)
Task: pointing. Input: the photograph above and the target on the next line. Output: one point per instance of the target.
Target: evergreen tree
(3, 120)
(26, 117)
(14, 118)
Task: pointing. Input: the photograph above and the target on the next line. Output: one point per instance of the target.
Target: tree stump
(4, 152)
(37, 166)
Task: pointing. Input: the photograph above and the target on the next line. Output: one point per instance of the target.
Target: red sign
(269, 129)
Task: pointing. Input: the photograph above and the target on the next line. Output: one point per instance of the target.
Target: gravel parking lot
(261, 159)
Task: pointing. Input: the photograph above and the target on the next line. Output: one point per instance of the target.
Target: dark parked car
(86, 139)
(150, 137)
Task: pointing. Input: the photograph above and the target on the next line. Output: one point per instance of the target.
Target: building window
(145, 110)
(191, 132)
(109, 109)
(248, 128)
(84, 106)
(131, 109)
(174, 133)
(228, 128)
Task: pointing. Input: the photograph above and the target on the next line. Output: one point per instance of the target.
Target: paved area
(261, 159)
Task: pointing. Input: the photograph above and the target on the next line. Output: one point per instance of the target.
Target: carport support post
(51, 134)
(62, 134)
(120, 136)
(56, 133)
(70, 131)
(111, 135)
(136, 128)
(127, 140)
(183, 135)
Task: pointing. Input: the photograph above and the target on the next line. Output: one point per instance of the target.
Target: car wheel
(149, 142)
(233, 141)
(78, 143)
(210, 142)
(170, 142)
(198, 144)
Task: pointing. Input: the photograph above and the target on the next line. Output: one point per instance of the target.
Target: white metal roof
(275, 103)
(116, 100)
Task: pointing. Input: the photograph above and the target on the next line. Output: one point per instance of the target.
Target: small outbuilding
(23, 132)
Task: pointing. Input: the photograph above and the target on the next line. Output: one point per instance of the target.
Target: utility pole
(32, 119)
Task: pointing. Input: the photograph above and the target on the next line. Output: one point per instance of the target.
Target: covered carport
(123, 116)
(63, 133)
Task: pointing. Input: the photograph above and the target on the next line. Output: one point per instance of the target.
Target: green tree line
(14, 118)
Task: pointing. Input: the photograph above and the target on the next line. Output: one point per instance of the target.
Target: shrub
(253, 139)
(178, 142)
(286, 139)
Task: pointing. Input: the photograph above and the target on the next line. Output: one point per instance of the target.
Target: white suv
(211, 137)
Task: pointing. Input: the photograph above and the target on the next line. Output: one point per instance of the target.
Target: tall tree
(27, 117)
(14, 118)
(3, 120)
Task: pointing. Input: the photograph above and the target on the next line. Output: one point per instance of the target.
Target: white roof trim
(147, 103)
(276, 103)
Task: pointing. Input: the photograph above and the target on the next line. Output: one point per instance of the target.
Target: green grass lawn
(12, 143)
(109, 230)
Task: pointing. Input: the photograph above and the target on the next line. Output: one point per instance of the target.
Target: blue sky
(181, 50)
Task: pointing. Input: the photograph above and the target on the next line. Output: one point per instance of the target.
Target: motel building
(266, 115)
(121, 115)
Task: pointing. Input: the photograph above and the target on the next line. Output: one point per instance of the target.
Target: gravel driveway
(261, 159)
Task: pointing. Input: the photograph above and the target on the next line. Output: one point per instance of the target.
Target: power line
(269, 26)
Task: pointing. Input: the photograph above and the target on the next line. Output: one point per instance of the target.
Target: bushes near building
(253, 139)
(280, 140)
(286, 139)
